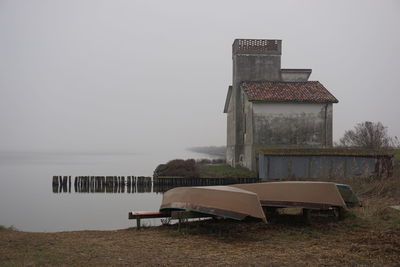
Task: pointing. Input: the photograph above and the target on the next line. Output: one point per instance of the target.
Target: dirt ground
(368, 236)
(287, 241)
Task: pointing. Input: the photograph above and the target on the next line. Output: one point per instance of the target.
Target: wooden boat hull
(221, 201)
(309, 195)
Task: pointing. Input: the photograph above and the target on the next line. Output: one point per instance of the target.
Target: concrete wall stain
(251, 126)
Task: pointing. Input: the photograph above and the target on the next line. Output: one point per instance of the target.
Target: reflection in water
(28, 203)
(102, 184)
(134, 184)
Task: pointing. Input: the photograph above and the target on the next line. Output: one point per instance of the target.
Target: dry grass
(375, 194)
(203, 168)
(369, 236)
(224, 171)
(288, 242)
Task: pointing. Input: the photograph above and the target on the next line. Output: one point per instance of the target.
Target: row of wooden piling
(178, 181)
(63, 180)
(98, 184)
(135, 184)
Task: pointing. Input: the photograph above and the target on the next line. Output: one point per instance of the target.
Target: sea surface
(28, 203)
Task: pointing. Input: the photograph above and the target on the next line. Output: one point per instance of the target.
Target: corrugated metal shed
(282, 164)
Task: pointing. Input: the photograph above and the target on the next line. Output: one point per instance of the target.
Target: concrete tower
(253, 60)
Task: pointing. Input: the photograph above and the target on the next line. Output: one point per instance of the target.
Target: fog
(138, 75)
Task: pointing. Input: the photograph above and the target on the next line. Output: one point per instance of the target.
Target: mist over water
(28, 203)
(117, 87)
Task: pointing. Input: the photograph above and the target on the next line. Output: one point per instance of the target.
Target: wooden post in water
(55, 184)
(128, 184)
(115, 183)
(55, 180)
(64, 184)
(122, 184)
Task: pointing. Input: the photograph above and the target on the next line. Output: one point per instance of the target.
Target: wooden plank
(174, 215)
(291, 204)
(147, 214)
(188, 215)
(177, 215)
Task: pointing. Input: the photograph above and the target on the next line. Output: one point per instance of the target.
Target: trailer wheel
(339, 213)
(306, 216)
(270, 213)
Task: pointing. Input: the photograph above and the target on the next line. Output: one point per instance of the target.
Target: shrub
(368, 135)
(177, 167)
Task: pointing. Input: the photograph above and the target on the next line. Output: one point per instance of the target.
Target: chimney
(256, 60)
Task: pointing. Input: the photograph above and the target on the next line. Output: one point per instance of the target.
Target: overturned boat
(297, 194)
(349, 197)
(221, 201)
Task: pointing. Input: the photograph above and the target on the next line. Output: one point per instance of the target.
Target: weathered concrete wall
(282, 167)
(259, 125)
(328, 125)
(231, 131)
(248, 152)
(270, 125)
(292, 125)
(250, 63)
(295, 75)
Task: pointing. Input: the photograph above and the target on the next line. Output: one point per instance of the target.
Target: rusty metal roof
(310, 92)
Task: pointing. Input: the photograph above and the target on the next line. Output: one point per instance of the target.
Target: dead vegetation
(177, 168)
(201, 168)
(325, 242)
(367, 134)
(369, 236)
(375, 194)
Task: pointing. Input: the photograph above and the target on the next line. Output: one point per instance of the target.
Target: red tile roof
(310, 92)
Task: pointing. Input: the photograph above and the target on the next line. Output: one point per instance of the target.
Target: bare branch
(369, 135)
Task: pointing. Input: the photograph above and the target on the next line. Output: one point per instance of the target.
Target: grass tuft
(10, 228)
(224, 171)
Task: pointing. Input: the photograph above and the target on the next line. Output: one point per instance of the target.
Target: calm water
(28, 203)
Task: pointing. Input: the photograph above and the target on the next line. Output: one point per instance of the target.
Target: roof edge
(228, 99)
(287, 101)
(296, 70)
(293, 101)
(350, 151)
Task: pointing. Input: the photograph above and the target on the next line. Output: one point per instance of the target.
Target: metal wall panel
(278, 167)
(281, 167)
(299, 166)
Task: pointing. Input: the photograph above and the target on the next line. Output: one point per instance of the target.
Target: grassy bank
(203, 168)
(369, 236)
(355, 241)
(224, 171)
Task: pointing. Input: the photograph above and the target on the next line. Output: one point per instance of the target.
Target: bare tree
(368, 135)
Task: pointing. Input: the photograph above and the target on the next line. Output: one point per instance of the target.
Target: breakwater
(134, 184)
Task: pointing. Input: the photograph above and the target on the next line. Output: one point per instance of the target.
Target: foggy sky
(134, 75)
